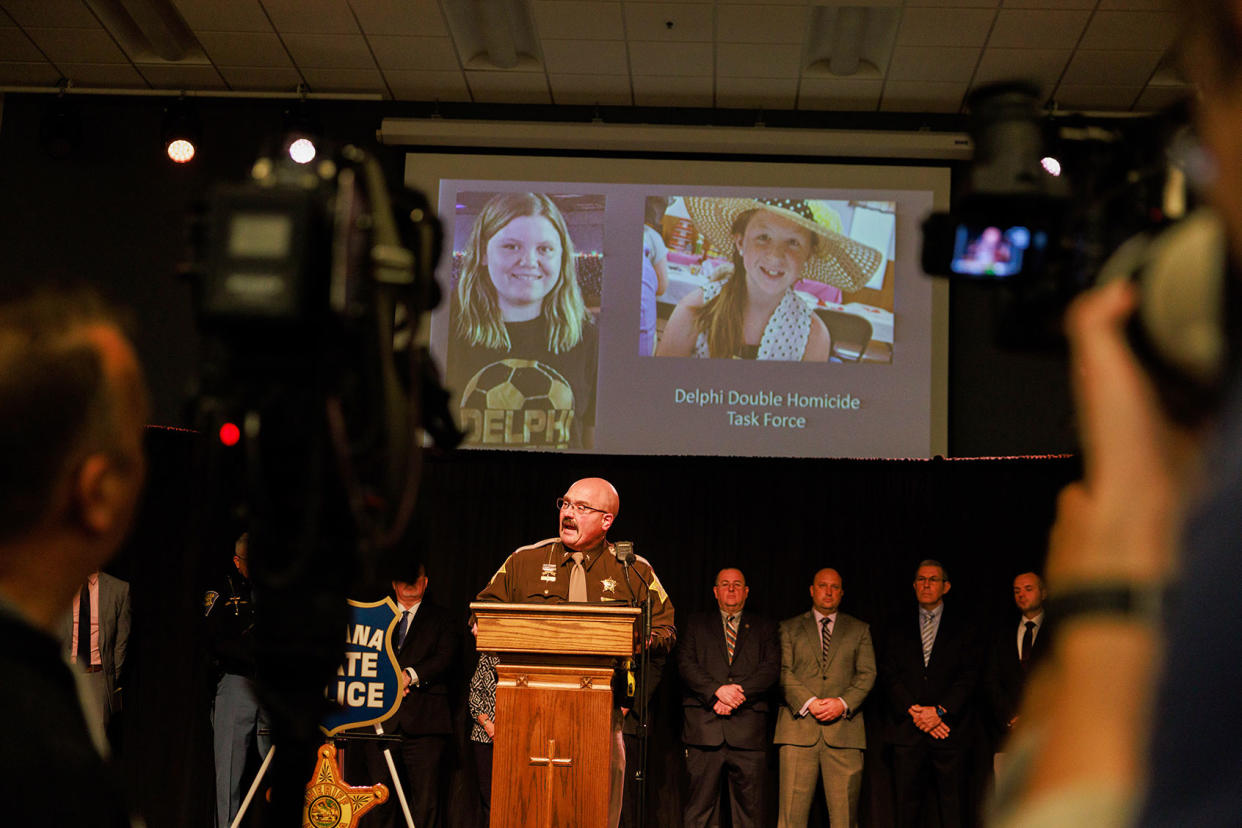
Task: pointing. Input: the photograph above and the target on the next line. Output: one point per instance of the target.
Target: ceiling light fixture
(182, 132)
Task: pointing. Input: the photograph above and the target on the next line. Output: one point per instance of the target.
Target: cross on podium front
(551, 762)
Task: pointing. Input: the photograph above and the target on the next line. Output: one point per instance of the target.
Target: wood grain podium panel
(553, 754)
(578, 629)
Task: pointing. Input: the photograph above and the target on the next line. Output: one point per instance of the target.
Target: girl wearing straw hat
(749, 310)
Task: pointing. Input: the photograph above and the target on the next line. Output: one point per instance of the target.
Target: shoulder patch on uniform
(656, 586)
(209, 601)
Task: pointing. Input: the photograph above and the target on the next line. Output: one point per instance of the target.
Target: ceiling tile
(1092, 96)
(920, 96)
(420, 18)
(329, 51)
(508, 87)
(1030, 28)
(681, 60)
(77, 45)
(28, 74)
(926, 63)
(1162, 97)
(585, 57)
(945, 27)
(943, 4)
(1141, 31)
(746, 60)
(16, 46)
(170, 76)
(261, 78)
(1049, 4)
(103, 75)
(311, 16)
(244, 48)
(1089, 68)
(345, 80)
(588, 90)
(427, 86)
(658, 91)
(1043, 67)
(756, 93)
(423, 54)
(692, 22)
(578, 20)
(65, 13)
(1134, 5)
(840, 95)
(762, 24)
(218, 16)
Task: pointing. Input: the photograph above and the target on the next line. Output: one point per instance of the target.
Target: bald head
(591, 505)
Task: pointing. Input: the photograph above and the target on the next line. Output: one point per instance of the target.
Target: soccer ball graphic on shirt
(518, 402)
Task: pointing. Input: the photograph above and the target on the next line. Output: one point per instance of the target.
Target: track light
(181, 132)
(301, 133)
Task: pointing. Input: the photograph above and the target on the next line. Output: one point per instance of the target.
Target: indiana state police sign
(367, 688)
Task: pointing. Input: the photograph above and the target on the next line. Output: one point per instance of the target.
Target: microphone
(625, 552)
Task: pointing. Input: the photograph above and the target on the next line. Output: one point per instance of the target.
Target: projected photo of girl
(523, 348)
(747, 307)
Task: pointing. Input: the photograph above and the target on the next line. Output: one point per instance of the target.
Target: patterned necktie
(577, 580)
(405, 629)
(730, 635)
(826, 635)
(1028, 640)
(929, 636)
(84, 625)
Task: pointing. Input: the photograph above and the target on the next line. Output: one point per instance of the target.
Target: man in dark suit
(930, 671)
(73, 409)
(827, 670)
(425, 643)
(1014, 652)
(728, 660)
(100, 653)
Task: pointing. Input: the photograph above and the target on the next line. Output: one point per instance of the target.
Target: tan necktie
(577, 580)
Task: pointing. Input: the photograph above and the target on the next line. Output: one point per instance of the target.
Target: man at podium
(580, 565)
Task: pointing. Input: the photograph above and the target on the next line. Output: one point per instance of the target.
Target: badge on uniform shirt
(209, 601)
(549, 572)
(609, 585)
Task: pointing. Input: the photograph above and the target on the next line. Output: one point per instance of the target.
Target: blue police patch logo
(367, 687)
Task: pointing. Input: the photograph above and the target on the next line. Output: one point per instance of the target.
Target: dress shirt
(1039, 624)
(412, 610)
(936, 615)
(819, 626)
(93, 581)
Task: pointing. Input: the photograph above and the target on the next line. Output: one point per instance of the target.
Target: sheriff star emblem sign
(609, 585)
(330, 803)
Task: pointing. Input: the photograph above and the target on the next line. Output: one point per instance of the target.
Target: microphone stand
(641, 712)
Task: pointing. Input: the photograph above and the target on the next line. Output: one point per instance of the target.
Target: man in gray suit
(827, 669)
(100, 653)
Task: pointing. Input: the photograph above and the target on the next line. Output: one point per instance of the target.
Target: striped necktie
(730, 631)
(826, 635)
(929, 635)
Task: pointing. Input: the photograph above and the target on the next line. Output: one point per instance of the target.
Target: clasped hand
(729, 697)
(926, 719)
(826, 710)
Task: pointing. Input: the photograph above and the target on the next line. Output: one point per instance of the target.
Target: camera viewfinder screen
(991, 251)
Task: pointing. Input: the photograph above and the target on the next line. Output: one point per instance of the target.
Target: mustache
(569, 523)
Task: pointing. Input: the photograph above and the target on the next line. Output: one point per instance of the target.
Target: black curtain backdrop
(777, 520)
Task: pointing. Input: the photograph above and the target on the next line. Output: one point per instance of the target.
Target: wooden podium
(553, 755)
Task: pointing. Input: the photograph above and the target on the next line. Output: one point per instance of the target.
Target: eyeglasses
(580, 508)
(933, 580)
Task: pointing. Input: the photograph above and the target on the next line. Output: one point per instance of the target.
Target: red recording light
(229, 434)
